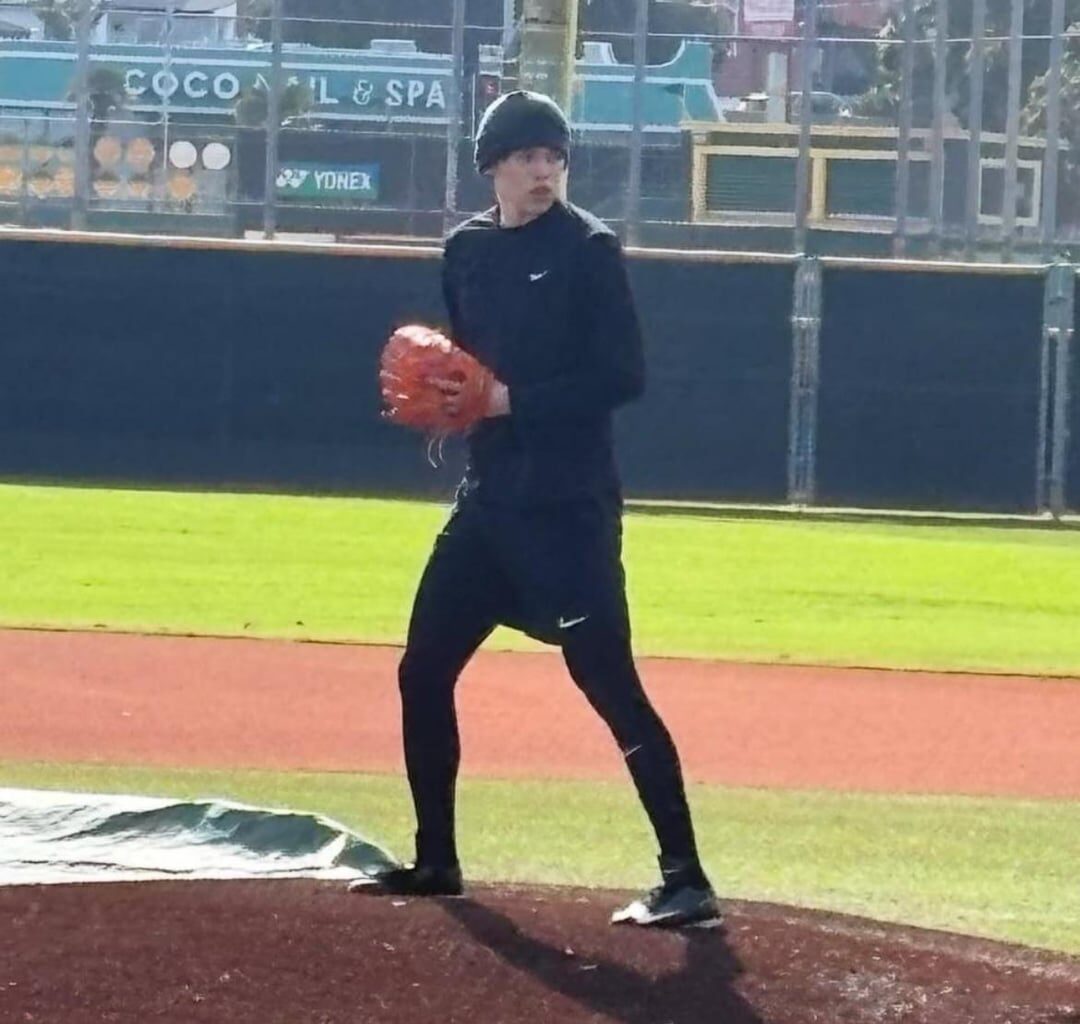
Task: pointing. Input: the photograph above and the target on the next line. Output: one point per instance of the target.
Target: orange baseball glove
(414, 361)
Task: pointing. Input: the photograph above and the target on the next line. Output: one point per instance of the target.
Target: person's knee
(421, 675)
(605, 673)
(595, 651)
(410, 674)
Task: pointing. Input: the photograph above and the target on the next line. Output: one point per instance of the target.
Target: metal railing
(829, 127)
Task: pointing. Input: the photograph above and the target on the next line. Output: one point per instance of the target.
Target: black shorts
(541, 569)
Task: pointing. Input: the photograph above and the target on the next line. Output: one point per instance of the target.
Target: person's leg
(596, 644)
(601, 663)
(457, 605)
(456, 608)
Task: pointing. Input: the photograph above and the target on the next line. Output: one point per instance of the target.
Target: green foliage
(252, 108)
(884, 96)
(107, 92)
(1035, 117)
(61, 17)
(883, 99)
(253, 18)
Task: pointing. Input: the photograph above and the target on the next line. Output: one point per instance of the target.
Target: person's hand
(498, 399)
(451, 392)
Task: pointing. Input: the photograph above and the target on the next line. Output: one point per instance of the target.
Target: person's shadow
(702, 992)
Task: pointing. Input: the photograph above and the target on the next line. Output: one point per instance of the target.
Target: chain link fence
(930, 129)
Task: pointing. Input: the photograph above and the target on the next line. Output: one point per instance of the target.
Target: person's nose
(546, 170)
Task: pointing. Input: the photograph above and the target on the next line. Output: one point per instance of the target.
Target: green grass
(930, 596)
(911, 596)
(1003, 869)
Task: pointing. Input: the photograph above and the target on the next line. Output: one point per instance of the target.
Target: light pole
(548, 41)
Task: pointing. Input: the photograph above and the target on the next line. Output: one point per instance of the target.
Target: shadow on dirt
(619, 993)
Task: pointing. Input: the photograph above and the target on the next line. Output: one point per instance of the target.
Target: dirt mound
(306, 952)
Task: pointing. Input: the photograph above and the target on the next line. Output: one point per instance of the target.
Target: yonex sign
(306, 180)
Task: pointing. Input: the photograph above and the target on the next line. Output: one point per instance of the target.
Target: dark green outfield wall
(930, 389)
(257, 367)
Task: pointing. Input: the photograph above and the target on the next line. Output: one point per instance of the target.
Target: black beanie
(520, 120)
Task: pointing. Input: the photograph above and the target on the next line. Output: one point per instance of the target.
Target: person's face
(528, 181)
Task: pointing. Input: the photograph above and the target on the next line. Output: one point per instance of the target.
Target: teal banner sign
(361, 85)
(305, 180)
(386, 84)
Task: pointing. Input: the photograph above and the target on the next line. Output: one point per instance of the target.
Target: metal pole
(975, 123)
(453, 126)
(548, 37)
(1053, 126)
(903, 138)
(509, 17)
(805, 375)
(273, 121)
(1042, 501)
(937, 179)
(569, 57)
(633, 188)
(1059, 457)
(807, 49)
(81, 199)
(24, 174)
(1059, 307)
(166, 45)
(1012, 128)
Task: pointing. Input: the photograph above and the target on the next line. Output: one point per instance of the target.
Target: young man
(536, 289)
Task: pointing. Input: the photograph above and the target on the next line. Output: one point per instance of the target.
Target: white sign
(769, 17)
(756, 11)
(205, 87)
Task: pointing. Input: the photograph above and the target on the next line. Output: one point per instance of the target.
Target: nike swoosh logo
(537, 277)
(570, 623)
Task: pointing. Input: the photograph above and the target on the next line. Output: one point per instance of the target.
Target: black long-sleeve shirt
(547, 306)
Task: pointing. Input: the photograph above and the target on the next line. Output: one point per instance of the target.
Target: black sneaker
(684, 898)
(418, 880)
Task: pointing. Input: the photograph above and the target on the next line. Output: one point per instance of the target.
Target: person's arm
(613, 371)
(449, 291)
(499, 401)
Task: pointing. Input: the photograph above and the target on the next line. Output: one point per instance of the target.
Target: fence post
(937, 179)
(1059, 458)
(1012, 129)
(903, 137)
(633, 187)
(807, 48)
(1053, 125)
(805, 375)
(1057, 334)
(454, 115)
(975, 123)
(273, 122)
(81, 199)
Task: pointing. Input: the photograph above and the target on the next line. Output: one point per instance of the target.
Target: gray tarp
(48, 836)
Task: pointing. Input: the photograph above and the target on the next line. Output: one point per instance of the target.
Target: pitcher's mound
(305, 952)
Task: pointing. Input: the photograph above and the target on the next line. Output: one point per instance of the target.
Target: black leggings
(466, 590)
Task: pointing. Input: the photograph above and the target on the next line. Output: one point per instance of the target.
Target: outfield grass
(911, 596)
(947, 597)
(1003, 869)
